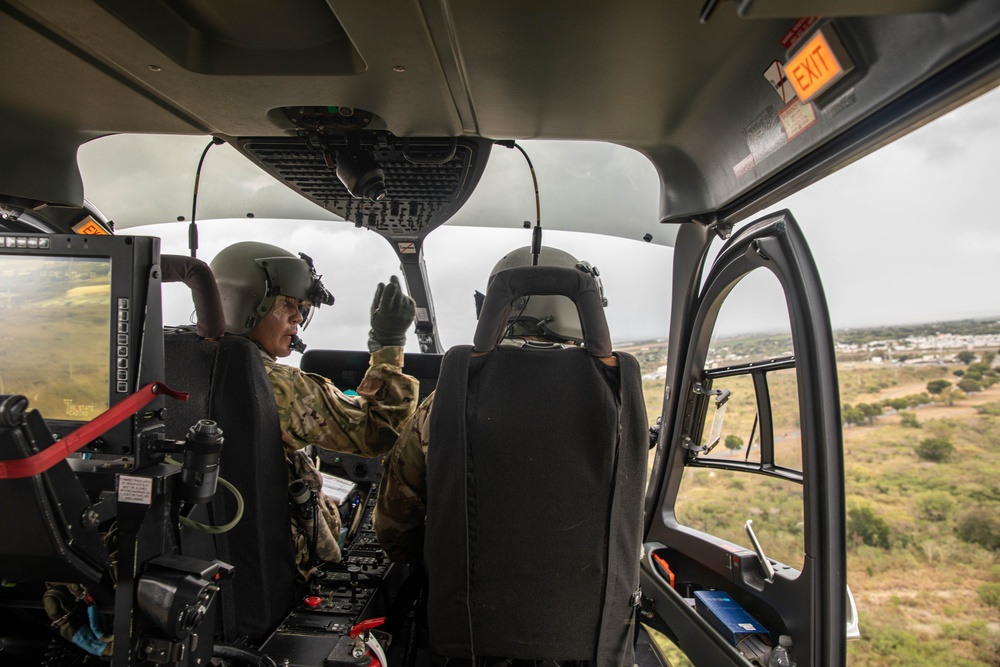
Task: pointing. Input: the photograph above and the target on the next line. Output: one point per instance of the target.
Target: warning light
(90, 227)
(818, 64)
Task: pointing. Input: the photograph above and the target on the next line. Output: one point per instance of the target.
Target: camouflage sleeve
(313, 411)
(401, 511)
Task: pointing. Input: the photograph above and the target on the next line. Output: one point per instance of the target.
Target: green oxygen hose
(226, 527)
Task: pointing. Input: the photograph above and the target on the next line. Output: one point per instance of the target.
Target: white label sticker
(748, 626)
(423, 315)
(744, 166)
(775, 75)
(407, 248)
(138, 490)
(797, 117)
(336, 488)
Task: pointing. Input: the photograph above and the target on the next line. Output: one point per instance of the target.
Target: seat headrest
(521, 281)
(198, 276)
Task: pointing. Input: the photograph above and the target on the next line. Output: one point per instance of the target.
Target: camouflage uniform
(312, 411)
(402, 501)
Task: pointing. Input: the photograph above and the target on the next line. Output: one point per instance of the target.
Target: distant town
(931, 343)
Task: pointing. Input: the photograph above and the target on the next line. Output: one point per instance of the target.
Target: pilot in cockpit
(268, 294)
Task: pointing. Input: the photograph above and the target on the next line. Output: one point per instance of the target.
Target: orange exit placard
(818, 64)
(90, 227)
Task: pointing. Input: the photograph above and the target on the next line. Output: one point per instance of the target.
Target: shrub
(980, 526)
(937, 386)
(990, 594)
(935, 505)
(866, 527)
(935, 449)
(966, 356)
(733, 442)
(968, 385)
(909, 419)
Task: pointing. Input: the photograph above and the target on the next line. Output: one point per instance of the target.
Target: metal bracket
(104, 509)
(688, 444)
(721, 395)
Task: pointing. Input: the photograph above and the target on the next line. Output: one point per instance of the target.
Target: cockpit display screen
(56, 315)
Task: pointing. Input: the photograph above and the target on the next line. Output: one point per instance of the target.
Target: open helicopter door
(745, 509)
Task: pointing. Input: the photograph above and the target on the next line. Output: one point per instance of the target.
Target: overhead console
(398, 187)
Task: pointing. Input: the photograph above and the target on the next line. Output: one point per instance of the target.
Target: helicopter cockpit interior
(382, 118)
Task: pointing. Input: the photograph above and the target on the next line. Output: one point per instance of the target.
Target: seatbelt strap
(98, 426)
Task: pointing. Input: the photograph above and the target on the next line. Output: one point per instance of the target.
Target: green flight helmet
(251, 275)
(551, 316)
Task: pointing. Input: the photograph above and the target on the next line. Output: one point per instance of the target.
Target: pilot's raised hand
(392, 314)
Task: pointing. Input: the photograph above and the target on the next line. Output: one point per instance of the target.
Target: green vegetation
(935, 449)
(980, 526)
(936, 387)
(966, 357)
(865, 526)
(734, 442)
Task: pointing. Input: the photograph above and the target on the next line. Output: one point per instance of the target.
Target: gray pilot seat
(535, 477)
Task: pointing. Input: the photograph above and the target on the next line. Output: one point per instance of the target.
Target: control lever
(354, 571)
(764, 562)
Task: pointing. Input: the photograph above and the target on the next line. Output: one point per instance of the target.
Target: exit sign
(818, 64)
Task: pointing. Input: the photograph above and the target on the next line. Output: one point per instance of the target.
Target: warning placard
(138, 490)
(407, 248)
(775, 75)
(797, 117)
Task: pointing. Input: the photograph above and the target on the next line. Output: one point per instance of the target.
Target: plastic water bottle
(781, 655)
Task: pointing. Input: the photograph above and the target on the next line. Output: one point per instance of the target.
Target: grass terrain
(55, 342)
(927, 583)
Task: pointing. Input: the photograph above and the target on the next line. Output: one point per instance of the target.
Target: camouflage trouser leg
(304, 529)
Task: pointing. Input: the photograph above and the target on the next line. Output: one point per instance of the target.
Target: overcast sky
(905, 235)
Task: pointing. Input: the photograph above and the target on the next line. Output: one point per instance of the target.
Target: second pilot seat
(535, 479)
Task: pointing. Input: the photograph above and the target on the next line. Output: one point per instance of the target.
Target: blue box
(727, 616)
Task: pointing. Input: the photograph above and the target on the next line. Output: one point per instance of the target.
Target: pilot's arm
(402, 501)
(313, 411)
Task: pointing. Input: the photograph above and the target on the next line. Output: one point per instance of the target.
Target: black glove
(392, 314)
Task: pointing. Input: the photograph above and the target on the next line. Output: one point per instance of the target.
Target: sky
(904, 235)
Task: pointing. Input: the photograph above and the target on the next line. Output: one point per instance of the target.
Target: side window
(745, 454)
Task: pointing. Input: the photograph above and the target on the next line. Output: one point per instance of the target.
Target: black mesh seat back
(538, 502)
(260, 546)
(189, 362)
(535, 479)
(529, 554)
(228, 384)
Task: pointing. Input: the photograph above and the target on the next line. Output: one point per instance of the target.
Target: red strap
(98, 426)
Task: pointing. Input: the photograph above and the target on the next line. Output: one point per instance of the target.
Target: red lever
(98, 426)
(366, 625)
